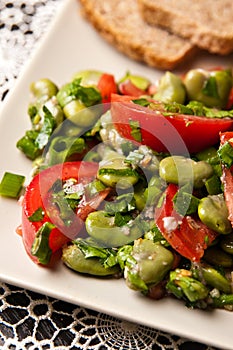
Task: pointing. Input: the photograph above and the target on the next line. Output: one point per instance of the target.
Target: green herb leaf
(213, 185)
(225, 153)
(46, 129)
(123, 204)
(185, 203)
(32, 112)
(40, 247)
(38, 215)
(155, 235)
(215, 113)
(142, 102)
(177, 108)
(65, 206)
(123, 254)
(211, 88)
(91, 250)
(74, 90)
(122, 219)
(135, 280)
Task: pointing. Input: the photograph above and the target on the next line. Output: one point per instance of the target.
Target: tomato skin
(189, 236)
(107, 86)
(227, 178)
(35, 196)
(175, 133)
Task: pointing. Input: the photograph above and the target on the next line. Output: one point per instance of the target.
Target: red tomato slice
(187, 235)
(35, 198)
(227, 178)
(107, 86)
(175, 133)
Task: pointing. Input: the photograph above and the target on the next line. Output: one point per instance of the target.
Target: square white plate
(72, 45)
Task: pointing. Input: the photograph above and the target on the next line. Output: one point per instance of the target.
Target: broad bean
(81, 116)
(43, 88)
(181, 170)
(88, 77)
(210, 88)
(213, 212)
(101, 227)
(150, 265)
(73, 257)
(215, 279)
(170, 89)
(117, 172)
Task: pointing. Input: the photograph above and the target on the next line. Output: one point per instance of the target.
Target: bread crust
(207, 24)
(120, 23)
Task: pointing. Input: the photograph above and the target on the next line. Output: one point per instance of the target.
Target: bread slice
(120, 23)
(206, 23)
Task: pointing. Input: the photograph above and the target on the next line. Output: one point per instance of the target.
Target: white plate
(72, 45)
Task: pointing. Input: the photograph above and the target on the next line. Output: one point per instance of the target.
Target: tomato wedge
(175, 133)
(187, 235)
(227, 178)
(107, 86)
(36, 196)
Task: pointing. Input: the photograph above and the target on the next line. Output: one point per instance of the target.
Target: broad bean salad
(133, 179)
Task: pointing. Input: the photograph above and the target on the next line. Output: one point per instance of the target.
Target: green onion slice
(11, 185)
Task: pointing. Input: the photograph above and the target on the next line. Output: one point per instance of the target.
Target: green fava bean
(213, 212)
(224, 84)
(81, 116)
(152, 263)
(210, 88)
(181, 170)
(117, 172)
(170, 89)
(226, 243)
(216, 279)
(73, 257)
(88, 77)
(43, 87)
(102, 228)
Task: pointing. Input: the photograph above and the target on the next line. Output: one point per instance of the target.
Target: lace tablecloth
(30, 320)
